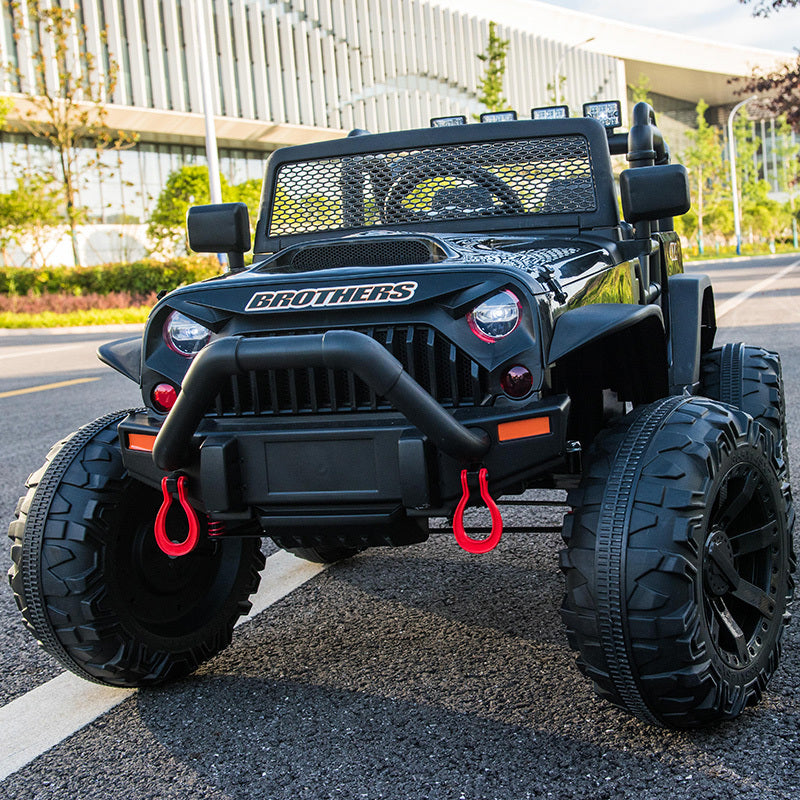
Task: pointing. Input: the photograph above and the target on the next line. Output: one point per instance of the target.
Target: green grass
(691, 253)
(95, 316)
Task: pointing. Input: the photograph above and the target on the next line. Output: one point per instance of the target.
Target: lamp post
(556, 84)
(734, 188)
(215, 188)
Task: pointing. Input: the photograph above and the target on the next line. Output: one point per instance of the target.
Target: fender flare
(581, 326)
(692, 325)
(125, 356)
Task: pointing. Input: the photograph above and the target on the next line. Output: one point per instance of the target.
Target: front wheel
(678, 563)
(94, 588)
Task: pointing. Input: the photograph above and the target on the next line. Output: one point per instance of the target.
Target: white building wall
(375, 64)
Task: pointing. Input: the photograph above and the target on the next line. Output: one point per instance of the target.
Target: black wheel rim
(742, 566)
(169, 597)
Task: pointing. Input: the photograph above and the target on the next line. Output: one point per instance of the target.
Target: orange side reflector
(141, 441)
(523, 428)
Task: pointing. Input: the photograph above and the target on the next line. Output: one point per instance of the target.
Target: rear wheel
(323, 555)
(327, 544)
(678, 563)
(749, 378)
(94, 588)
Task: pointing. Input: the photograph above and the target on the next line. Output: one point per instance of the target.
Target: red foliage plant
(779, 91)
(62, 303)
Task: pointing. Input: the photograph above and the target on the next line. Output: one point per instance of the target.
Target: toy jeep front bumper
(340, 467)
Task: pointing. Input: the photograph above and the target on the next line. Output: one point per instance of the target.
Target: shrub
(140, 278)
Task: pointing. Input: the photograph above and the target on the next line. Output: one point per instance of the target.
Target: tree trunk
(73, 235)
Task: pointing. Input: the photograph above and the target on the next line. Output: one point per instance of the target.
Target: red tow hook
(464, 540)
(168, 485)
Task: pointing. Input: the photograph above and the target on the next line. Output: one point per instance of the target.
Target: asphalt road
(415, 673)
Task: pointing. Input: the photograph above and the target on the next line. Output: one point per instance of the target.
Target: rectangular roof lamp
(608, 113)
(498, 116)
(550, 112)
(447, 122)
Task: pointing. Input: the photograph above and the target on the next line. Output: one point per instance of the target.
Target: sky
(720, 20)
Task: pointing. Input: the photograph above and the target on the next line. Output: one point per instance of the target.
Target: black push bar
(350, 350)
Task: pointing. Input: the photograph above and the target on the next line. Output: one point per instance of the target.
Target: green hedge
(138, 278)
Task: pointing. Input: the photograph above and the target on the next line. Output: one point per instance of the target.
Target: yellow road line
(47, 386)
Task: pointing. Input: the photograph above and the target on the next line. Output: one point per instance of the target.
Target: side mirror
(652, 193)
(220, 228)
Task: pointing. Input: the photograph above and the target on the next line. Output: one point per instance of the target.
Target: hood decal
(363, 294)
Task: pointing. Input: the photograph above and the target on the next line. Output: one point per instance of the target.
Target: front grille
(448, 374)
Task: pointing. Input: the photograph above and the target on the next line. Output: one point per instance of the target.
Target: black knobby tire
(749, 378)
(678, 562)
(94, 588)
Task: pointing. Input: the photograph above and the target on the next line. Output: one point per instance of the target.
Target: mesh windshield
(540, 175)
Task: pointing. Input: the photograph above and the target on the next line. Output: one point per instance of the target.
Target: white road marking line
(47, 386)
(738, 299)
(58, 348)
(282, 574)
(42, 718)
(39, 720)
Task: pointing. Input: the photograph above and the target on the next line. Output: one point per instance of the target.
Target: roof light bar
(498, 116)
(447, 122)
(550, 112)
(608, 113)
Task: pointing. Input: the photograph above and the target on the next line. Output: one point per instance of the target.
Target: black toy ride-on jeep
(434, 319)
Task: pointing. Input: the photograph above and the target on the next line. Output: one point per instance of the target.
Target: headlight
(185, 336)
(496, 317)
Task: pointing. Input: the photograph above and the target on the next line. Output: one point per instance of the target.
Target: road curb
(66, 331)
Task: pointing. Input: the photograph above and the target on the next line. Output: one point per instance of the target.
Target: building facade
(297, 71)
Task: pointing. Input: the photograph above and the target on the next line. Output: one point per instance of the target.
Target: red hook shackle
(162, 540)
(464, 540)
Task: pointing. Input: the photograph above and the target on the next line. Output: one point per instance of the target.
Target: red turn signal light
(517, 381)
(164, 396)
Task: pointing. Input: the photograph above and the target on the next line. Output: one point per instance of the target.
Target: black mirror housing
(219, 228)
(653, 193)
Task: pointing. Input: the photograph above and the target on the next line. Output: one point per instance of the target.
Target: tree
(779, 91)
(763, 8)
(747, 146)
(763, 215)
(787, 156)
(490, 86)
(65, 98)
(185, 187)
(640, 91)
(249, 193)
(5, 107)
(704, 161)
(555, 96)
(779, 88)
(188, 186)
(26, 213)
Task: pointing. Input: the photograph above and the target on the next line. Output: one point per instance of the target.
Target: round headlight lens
(496, 317)
(185, 336)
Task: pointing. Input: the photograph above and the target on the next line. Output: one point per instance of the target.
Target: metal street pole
(734, 188)
(208, 103)
(556, 83)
